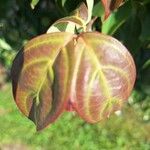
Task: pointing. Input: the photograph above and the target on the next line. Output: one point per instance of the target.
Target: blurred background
(129, 129)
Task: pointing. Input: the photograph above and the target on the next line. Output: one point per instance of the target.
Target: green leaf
(4, 45)
(146, 64)
(145, 35)
(34, 3)
(67, 6)
(98, 9)
(131, 38)
(116, 19)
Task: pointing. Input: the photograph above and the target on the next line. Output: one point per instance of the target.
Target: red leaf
(102, 78)
(39, 78)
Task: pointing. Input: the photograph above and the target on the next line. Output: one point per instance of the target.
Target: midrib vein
(76, 69)
(103, 81)
(49, 63)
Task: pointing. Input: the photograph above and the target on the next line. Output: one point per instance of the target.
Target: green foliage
(70, 132)
(116, 19)
(34, 3)
(6, 54)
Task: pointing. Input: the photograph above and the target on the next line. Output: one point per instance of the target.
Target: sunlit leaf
(4, 45)
(90, 4)
(81, 12)
(39, 83)
(98, 9)
(102, 78)
(67, 24)
(34, 3)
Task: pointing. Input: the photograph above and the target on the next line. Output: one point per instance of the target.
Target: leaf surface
(103, 76)
(39, 87)
(67, 24)
(34, 3)
(90, 4)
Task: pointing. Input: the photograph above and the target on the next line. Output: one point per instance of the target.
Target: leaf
(103, 76)
(4, 45)
(127, 37)
(40, 85)
(67, 24)
(110, 5)
(145, 35)
(146, 64)
(90, 4)
(34, 3)
(98, 9)
(116, 19)
(67, 6)
(77, 20)
(59, 27)
(81, 12)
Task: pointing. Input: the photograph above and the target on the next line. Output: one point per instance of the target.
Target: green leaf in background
(34, 3)
(134, 26)
(67, 6)
(145, 79)
(145, 35)
(6, 53)
(116, 19)
(4, 45)
(98, 9)
(146, 64)
(61, 5)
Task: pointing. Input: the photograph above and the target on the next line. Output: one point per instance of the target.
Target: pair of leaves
(90, 73)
